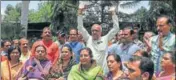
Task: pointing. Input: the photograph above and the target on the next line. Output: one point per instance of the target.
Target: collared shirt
(139, 43)
(76, 47)
(99, 47)
(168, 45)
(23, 57)
(124, 51)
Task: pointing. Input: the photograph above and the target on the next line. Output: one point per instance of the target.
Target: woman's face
(166, 61)
(112, 63)
(85, 57)
(15, 54)
(40, 52)
(66, 54)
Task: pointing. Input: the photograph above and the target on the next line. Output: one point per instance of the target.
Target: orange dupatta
(10, 72)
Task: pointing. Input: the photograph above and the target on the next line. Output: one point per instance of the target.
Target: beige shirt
(23, 57)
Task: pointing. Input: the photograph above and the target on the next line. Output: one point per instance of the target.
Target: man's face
(61, 38)
(96, 32)
(119, 35)
(73, 35)
(7, 45)
(24, 45)
(127, 37)
(162, 26)
(16, 43)
(46, 35)
(135, 35)
(133, 70)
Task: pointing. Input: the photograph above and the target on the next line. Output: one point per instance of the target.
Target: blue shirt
(125, 52)
(3, 53)
(76, 47)
(168, 45)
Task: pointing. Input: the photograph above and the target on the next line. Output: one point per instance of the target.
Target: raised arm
(81, 27)
(115, 28)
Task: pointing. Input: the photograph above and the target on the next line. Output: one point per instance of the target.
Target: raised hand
(160, 45)
(112, 10)
(82, 7)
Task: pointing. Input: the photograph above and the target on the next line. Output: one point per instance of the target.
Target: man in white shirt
(97, 43)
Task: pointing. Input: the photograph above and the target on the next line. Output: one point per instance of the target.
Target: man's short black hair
(131, 30)
(135, 58)
(147, 65)
(169, 21)
(72, 28)
(3, 42)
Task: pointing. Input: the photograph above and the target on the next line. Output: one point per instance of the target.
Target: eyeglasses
(72, 34)
(82, 56)
(7, 45)
(42, 51)
(95, 30)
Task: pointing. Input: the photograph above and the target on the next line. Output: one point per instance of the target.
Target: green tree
(43, 14)
(158, 8)
(64, 13)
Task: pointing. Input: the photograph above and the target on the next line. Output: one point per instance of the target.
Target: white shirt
(99, 47)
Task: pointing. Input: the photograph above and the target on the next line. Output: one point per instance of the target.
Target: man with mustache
(52, 47)
(24, 46)
(127, 47)
(163, 42)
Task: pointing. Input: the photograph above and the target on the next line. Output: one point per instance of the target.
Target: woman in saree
(64, 65)
(168, 67)
(87, 69)
(115, 66)
(36, 67)
(11, 68)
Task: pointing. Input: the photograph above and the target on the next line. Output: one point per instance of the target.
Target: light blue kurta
(168, 45)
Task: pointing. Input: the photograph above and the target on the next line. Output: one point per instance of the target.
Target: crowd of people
(118, 55)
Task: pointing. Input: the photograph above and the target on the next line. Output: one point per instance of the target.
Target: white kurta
(99, 47)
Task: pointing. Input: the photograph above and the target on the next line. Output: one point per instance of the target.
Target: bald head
(97, 26)
(96, 31)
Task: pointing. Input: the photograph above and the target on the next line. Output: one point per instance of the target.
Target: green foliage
(10, 27)
(11, 24)
(158, 8)
(10, 30)
(12, 14)
(63, 14)
(43, 13)
(8, 8)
